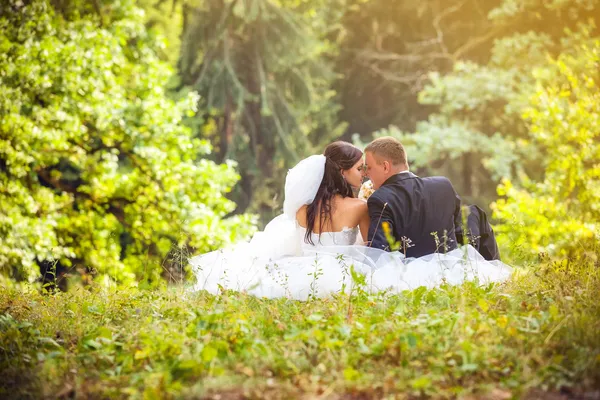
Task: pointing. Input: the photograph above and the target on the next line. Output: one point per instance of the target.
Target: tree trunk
(468, 174)
(227, 128)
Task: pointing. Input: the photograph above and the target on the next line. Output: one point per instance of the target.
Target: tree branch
(461, 51)
(114, 209)
(377, 56)
(438, 19)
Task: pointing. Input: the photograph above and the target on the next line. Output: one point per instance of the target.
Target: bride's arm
(364, 222)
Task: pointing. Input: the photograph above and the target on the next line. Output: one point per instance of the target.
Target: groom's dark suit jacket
(415, 208)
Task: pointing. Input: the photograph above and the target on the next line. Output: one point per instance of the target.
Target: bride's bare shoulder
(355, 204)
(301, 216)
(353, 201)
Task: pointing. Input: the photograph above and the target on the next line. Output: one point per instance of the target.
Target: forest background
(135, 133)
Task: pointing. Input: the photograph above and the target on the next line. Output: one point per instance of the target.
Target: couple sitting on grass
(408, 233)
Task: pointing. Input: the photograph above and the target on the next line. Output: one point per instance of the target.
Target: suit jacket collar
(399, 177)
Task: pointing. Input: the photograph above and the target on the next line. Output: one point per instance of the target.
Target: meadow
(535, 336)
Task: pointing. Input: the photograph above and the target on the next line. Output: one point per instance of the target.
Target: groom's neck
(400, 170)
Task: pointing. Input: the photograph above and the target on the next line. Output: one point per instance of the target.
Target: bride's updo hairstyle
(338, 156)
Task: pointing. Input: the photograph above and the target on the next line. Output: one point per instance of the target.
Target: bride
(311, 249)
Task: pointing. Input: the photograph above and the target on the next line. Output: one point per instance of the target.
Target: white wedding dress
(279, 263)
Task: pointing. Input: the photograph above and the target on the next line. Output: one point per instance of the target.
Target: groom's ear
(386, 166)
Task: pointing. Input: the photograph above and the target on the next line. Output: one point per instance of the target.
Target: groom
(423, 215)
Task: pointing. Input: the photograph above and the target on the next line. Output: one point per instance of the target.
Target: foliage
(263, 69)
(166, 19)
(559, 214)
(97, 172)
(476, 136)
(388, 48)
(538, 331)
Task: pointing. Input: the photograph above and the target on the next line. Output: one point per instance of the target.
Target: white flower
(366, 190)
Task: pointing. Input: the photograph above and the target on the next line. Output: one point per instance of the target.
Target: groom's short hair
(388, 148)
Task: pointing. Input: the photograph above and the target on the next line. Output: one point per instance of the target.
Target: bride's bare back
(346, 212)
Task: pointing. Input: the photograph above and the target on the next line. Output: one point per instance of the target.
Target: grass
(538, 333)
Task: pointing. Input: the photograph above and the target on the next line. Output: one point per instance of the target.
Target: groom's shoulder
(379, 195)
(437, 179)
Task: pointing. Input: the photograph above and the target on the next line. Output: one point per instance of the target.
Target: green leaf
(209, 353)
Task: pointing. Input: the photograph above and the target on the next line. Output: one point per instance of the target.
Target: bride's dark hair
(338, 156)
